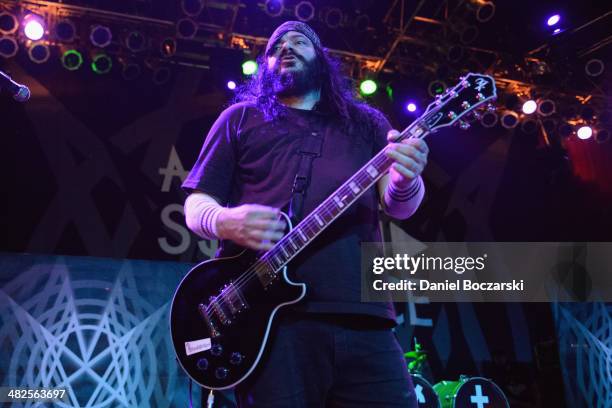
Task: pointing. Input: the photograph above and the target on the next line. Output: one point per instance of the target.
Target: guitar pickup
(233, 299)
(218, 311)
(212, 329)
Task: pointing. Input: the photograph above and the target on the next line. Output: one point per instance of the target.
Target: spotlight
(546, 107)
(557, 31)
(161, 75)
(485, 12)
(100, 36)
(135, 41)
(33, 27)
(553, 20)
(509, 119)
(168, 47)
(72, 60)
(362, 22)
(192, 8)
(594, 67)
(130, 71)
(274, 8)
(304, 11)
(231, 85)
(368, 87)
(101, 64)
(186, 28)
(584, 132)
(8, 23)
(333, 17)
(436, 87)
(8, 47)
(249, 67)
(529, 126)
(489, 119)
(602, 135)
(65, 31)
(39, 53)
(411, 107)
(529, 107)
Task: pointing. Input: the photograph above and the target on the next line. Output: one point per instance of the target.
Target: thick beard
(296, 83)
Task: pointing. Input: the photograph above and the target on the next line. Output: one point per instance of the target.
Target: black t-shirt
(247, 160)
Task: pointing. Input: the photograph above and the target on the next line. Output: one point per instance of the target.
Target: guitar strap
(311, 147)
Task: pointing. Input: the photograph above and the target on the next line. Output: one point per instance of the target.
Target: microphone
(20, 93)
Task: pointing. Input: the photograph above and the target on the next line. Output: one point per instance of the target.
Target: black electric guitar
(223, 309)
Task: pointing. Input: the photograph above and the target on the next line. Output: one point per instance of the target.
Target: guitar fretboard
(329, 210)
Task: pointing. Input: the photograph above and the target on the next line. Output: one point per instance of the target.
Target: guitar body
(237, 322)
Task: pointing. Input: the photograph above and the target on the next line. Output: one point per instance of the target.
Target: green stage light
(101, 64)
(249, 67)
(368, 87)
(72, 60)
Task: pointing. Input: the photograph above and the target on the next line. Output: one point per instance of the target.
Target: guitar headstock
(473, 91)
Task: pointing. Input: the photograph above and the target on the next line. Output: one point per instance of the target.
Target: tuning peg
(491, 107)
(451, 115)
(465, 105)
(476, 115)
(463, 125)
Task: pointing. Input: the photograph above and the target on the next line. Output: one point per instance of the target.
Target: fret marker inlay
(372, 171)
(318, 220)
(354, 187)
(338, 202)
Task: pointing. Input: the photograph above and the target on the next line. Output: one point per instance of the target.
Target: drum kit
(467, 392)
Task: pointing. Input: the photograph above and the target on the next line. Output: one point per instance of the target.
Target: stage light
(529, 107)
(602, 135)
(304, 11)
(130, 71)
(594, 67)
(101, 64)
(72, 60)
(33, 27)
(192, 8)
(8, 47)
(411, 107)
(231, 85)
(65, 31)
(100, 36)
(553, 20)
(485, 12)
(557, 31)
(529, 126)
(249, 67)
(436, 88)
(161, 75)
(186, 28)
(584, 132)
(489, 119)
(274, 8)
(546, 107)
(333, 17)
(8, 23)
(39, 53)
(368, 87)
(135, 41)
(509, 119)
(168, 47)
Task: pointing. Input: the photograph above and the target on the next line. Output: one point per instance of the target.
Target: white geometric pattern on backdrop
(99, 340)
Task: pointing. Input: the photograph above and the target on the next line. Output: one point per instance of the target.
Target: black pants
(319, 361)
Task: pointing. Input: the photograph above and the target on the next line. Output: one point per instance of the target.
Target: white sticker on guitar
(192, 347)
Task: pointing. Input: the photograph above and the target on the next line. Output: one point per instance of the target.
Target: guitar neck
(330, 209)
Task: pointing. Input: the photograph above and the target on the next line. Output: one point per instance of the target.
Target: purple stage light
(231, 85)
(411, 107)
(553, 20)
(529, 107)
(557, 31)
(585, 132)
(33, 27)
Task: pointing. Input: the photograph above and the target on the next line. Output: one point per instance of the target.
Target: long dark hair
(338, 97)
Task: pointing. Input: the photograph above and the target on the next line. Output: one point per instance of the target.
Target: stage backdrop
(92, 167)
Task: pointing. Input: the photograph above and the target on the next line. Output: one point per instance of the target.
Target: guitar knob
(221, 373)
(202, 364)
(236, 358)
(216, 350)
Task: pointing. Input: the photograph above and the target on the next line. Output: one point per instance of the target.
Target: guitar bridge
(212, 329)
